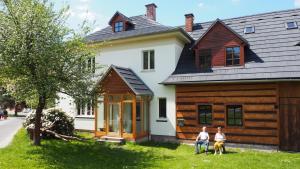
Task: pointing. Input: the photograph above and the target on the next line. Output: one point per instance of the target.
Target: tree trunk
(16, 109)
(16, 112)
(37, 129)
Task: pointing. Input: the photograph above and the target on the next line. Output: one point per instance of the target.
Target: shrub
(54, 120)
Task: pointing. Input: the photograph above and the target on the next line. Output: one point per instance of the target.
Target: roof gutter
(180, 30)
(234, 81)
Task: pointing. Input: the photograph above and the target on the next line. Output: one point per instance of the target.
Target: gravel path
(8, 128)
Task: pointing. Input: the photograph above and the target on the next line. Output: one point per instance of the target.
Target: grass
(58, 154)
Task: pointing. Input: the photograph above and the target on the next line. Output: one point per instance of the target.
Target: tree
(40, 56)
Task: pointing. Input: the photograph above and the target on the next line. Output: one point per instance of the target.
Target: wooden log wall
(260, 111)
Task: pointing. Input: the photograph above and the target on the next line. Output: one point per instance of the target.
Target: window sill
(162, 120)
(84, 117)
(147, 70)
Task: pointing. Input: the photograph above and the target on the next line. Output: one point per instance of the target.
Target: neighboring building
(165, 83)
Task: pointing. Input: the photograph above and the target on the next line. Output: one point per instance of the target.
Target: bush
(54, 120)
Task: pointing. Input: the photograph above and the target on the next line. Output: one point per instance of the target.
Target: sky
(169, 12)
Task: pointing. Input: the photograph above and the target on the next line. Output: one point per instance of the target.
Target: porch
(122, 109)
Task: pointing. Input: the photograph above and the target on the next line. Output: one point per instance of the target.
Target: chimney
(151, 11)
(189, 22)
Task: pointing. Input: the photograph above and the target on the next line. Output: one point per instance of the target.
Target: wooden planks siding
(260, 111)
(289, 97)
(114, 84)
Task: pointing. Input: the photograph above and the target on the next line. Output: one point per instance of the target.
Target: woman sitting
(219, 141)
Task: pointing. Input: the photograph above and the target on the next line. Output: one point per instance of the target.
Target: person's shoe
(205, 153)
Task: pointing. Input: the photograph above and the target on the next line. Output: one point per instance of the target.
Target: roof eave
(188, 38)
(232, 81)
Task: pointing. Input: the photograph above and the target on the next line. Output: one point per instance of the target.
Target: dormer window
(249, 29)
(119, 26)
(233, 56)
(291, 25)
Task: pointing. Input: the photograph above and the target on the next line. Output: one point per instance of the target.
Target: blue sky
(168, 12)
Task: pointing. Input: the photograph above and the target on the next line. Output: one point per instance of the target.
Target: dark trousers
(201, 142)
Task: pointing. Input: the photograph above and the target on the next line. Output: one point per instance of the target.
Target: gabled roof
(142, 26)
(272, 53)
(227, 27)
(132, 80)
(119, 14)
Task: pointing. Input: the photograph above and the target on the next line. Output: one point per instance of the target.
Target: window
(205, 114)
(118, 26)
(91, 65)
(90, 110)
(291, 25)
(232, 56)
(162, 108)
(85, 109)
(205, 59)
(249, 29)
(148, 60)
(88, 65)
(234, 115)
(138, 111)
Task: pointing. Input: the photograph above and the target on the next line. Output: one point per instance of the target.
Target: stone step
(110, 139)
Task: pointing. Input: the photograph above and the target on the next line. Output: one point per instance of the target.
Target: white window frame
(149, 69)
(119, 26)
(91, 67)
(166, 108)
(83, 112)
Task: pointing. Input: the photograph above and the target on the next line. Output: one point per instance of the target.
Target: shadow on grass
(168, 145)
(91, 154)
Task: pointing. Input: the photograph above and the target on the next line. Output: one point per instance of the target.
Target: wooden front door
(114, 119)
(290, 124)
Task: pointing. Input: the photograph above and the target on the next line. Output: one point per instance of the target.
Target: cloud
(84, 1)
(297, 3)
(235, 1)
(200, 4)
(81, 10)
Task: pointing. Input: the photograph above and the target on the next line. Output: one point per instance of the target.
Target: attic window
(291, 25)
(249, 29)
(118, 26)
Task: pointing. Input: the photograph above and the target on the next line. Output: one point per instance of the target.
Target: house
(164, 83)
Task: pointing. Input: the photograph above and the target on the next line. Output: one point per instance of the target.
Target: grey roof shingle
(272, 52)
(142, 26)
(131, 79)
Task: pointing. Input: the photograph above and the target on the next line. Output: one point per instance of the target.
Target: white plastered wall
(129, 55)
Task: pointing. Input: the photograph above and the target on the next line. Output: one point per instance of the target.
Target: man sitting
(202, 139)
(219, 138)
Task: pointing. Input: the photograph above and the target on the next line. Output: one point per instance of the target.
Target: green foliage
(6, 100)
(53, 119)
(60, 155)
(39, 55)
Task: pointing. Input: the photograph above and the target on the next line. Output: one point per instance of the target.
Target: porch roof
(133, 81)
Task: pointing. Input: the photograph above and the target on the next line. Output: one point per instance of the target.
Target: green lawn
(91, 155)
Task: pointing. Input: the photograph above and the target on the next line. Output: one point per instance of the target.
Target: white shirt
(219, 137)
(203, 136)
